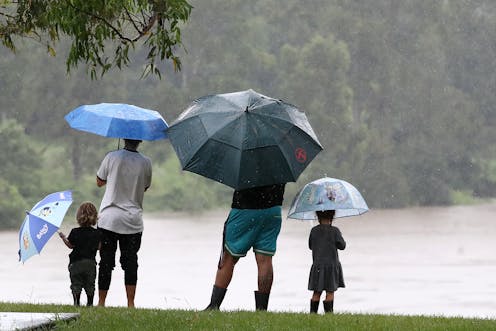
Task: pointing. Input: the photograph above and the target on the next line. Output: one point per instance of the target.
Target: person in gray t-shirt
(127, 174)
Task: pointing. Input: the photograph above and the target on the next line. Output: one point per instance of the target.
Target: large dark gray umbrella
(244, 139)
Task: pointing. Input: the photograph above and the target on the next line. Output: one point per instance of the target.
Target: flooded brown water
(431, 261)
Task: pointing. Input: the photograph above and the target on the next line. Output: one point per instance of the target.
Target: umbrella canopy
(327, 194)
(244, 139)
(42, 222)
(118, 120)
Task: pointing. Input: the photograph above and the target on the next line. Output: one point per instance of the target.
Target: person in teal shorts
(253, 222)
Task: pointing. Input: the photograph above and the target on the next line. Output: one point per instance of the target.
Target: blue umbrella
(327, 194)
(118, 120)
(42, 222)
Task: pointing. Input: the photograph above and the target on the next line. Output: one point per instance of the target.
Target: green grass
(118, 318)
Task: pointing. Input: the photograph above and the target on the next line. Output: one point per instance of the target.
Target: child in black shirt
(84, 242)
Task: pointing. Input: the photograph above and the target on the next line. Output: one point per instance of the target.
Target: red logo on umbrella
(301, 155)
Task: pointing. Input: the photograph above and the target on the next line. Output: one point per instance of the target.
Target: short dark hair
(133, 143)
(325, 214)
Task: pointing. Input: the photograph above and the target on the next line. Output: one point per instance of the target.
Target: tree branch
(132, 20)
(147, 27)
(116, 31)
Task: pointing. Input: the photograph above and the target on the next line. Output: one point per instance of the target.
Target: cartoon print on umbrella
(41, 222)
(327, 194)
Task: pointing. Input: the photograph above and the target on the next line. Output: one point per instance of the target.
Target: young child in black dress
(326, 273)
(84, 242)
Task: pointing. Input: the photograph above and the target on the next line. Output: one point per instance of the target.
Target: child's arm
(65, 240)
(340, 243)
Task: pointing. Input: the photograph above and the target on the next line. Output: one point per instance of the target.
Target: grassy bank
(119, 318)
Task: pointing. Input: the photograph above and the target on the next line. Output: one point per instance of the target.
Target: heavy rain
(400, 95)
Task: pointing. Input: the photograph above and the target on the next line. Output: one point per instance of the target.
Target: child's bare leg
(316, 296)
(329, 296)
(314, 302)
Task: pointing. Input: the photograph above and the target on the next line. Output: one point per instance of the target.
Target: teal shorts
(257, 228)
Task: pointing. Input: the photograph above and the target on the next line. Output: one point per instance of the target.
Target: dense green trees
(20, 174)
(400, 93)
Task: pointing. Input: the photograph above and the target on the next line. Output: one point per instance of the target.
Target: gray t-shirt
(128, 174)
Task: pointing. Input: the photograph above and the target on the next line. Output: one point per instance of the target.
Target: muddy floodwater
(431, 261)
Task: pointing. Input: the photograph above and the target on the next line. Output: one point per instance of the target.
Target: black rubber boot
(217, 298)
(328, 306)
(89, 302)
(314, 306)
(76, 297)
(261, 300)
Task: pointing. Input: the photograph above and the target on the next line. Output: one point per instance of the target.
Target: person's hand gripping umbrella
(41, 222)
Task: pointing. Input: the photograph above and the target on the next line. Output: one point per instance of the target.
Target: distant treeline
(400, 93)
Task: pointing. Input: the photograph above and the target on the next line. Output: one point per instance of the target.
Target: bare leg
(225, 270)
(316, 295)
(329, 296)
(265, 272)
(130, 293)
(102, 295)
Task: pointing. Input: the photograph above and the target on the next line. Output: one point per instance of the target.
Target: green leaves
(101, 31)
(400, 93)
